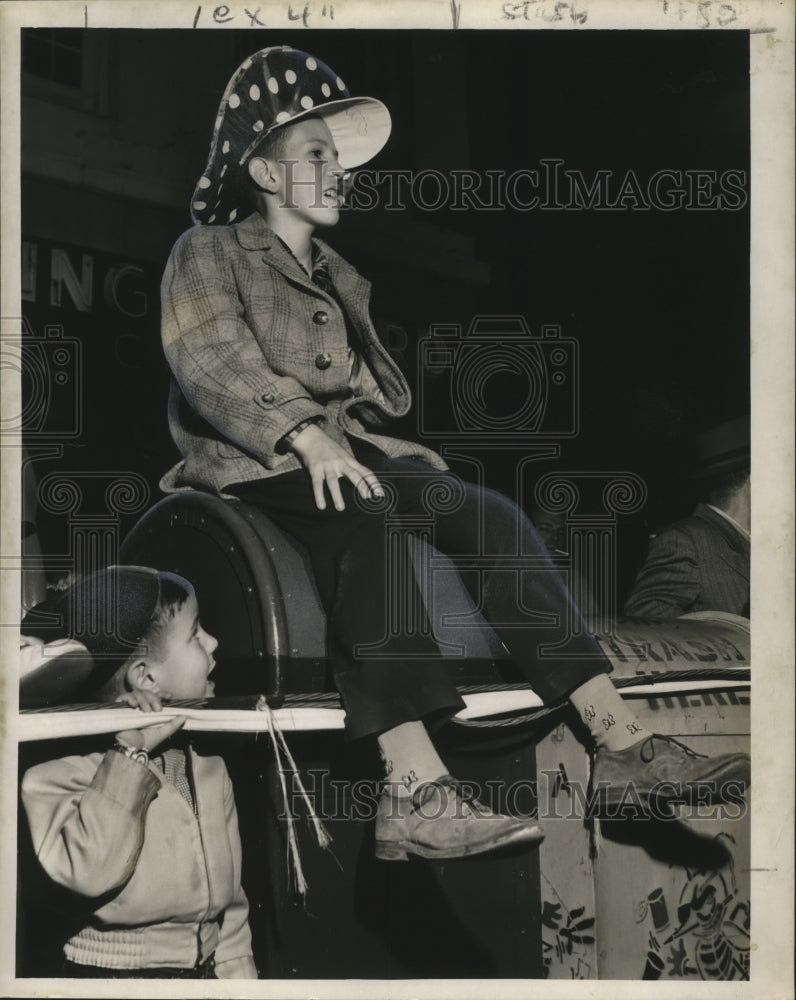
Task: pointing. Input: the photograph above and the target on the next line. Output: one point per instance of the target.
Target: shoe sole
(400, 850)
(617, 795)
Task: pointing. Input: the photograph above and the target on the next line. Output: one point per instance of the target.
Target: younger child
(147, 830)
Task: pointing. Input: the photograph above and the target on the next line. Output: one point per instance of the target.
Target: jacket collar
(733, 537)
(255, 234)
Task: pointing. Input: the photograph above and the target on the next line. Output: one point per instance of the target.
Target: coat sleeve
(234, 953)
(87, 819)
(215, 357)
(668, 583)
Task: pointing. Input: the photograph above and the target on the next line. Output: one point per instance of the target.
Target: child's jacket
(256, 348)
(166, 880)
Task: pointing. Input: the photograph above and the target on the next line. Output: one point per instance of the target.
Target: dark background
(658, 302)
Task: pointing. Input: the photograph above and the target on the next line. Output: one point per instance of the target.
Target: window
(71, 66)
(54, 54)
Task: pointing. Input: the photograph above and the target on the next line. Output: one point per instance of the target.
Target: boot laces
(422, 794)
(647, 753)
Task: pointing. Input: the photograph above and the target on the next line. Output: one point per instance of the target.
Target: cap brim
(360, 127)
(735, 462)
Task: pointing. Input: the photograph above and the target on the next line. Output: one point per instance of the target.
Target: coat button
(322, 361)
(320, 317)
(266, 397)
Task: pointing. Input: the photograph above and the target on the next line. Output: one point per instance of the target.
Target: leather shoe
(441, 820)
(662, 767)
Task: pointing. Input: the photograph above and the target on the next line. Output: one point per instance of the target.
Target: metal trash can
(652, 899)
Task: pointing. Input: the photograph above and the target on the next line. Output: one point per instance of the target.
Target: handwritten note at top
(700, 13)
(252, 17)
(547, 11)
(685, 13)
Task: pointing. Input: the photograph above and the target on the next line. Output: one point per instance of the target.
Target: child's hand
(147, 701)
(326, 462)
(150, 736)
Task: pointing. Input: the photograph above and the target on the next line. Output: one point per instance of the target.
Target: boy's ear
(263, 173)
(139, 676)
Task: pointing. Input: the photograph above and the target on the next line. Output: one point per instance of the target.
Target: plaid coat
(255, 348)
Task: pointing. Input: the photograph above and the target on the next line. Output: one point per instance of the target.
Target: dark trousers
(361, 570)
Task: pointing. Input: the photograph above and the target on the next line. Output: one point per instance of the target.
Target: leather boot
(440, 820)
(662, 767)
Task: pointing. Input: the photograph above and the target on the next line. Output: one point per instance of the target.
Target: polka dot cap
(271, 88)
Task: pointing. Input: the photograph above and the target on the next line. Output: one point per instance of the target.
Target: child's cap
(109, 612)
(274, 87)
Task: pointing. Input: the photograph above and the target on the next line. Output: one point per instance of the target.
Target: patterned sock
(608, 718)
(409, 758)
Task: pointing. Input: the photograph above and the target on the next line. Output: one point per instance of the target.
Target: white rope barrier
(500, 702)
(86, 722)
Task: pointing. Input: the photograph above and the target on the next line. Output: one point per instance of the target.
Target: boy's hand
(149, 737)
(326, 462)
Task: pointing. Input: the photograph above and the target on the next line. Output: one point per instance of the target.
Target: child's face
(309, 174)
(187, 661)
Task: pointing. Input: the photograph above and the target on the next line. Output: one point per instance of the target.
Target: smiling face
(303, 183)
(185, 661)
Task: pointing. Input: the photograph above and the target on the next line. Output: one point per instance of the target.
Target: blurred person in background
(701, 563)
